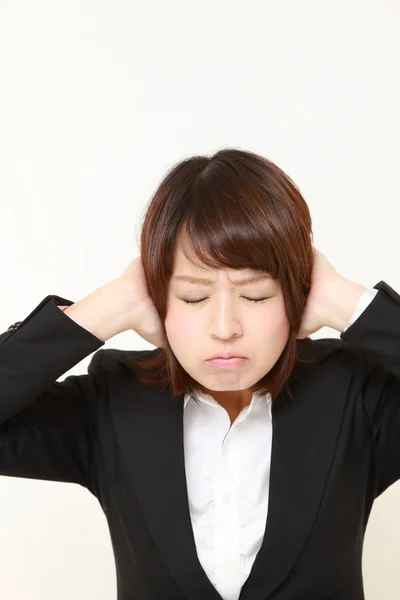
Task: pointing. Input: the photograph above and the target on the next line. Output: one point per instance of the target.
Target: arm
(376, 332)
(45, 425)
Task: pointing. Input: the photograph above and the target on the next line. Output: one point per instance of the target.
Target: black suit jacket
(335, 448)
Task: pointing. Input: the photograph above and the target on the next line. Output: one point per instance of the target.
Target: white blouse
(228, 484)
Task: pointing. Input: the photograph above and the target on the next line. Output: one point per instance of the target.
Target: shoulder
(334, 354)
(116, 363)
(323, 350)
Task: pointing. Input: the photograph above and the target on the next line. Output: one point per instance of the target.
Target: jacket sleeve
(45, 425)
(377, 333)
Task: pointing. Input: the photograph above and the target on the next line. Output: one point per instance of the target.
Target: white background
(97, 100)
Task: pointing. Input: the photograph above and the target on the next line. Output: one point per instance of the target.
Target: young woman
(247, 477)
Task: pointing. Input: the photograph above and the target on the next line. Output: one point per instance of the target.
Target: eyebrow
(239, 282)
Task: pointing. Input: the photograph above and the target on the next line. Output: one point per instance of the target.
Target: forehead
(185, 270)
(192, 264)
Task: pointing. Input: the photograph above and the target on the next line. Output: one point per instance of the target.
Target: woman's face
(225, 321)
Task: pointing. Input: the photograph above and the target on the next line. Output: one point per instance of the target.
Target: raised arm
(45, 425)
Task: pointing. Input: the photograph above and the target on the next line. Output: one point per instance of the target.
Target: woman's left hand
(332, 298)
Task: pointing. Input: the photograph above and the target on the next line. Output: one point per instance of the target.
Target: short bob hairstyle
(234, 209)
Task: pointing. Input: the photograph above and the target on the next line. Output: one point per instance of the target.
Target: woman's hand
(332, 299)
(144, 317)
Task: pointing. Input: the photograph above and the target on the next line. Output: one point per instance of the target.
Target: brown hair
(235, 209)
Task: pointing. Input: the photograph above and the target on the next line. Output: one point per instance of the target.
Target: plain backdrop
(97, 100)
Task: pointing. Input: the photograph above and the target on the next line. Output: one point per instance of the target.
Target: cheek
(271, 336)
(181, 326)
(270, 330)
(273, 322)
(280, 322)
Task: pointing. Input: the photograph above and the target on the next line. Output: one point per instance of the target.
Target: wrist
(344, 299)
(104, 312)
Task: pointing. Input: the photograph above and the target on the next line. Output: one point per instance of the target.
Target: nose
(225, 319)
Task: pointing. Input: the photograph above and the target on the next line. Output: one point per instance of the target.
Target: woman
(246, 478)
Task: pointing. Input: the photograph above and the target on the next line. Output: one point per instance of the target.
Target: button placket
(227, 521)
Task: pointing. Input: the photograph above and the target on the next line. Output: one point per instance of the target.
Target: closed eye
(249, 299)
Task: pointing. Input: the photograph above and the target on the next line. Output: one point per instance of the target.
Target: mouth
(233, 361)
(226, 355)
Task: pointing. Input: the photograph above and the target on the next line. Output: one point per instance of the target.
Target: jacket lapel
(149, 427)
(305, 432)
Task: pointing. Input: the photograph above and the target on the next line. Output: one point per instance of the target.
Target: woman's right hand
(144, 316)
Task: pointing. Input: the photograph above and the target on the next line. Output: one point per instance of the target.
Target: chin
(223, 387)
